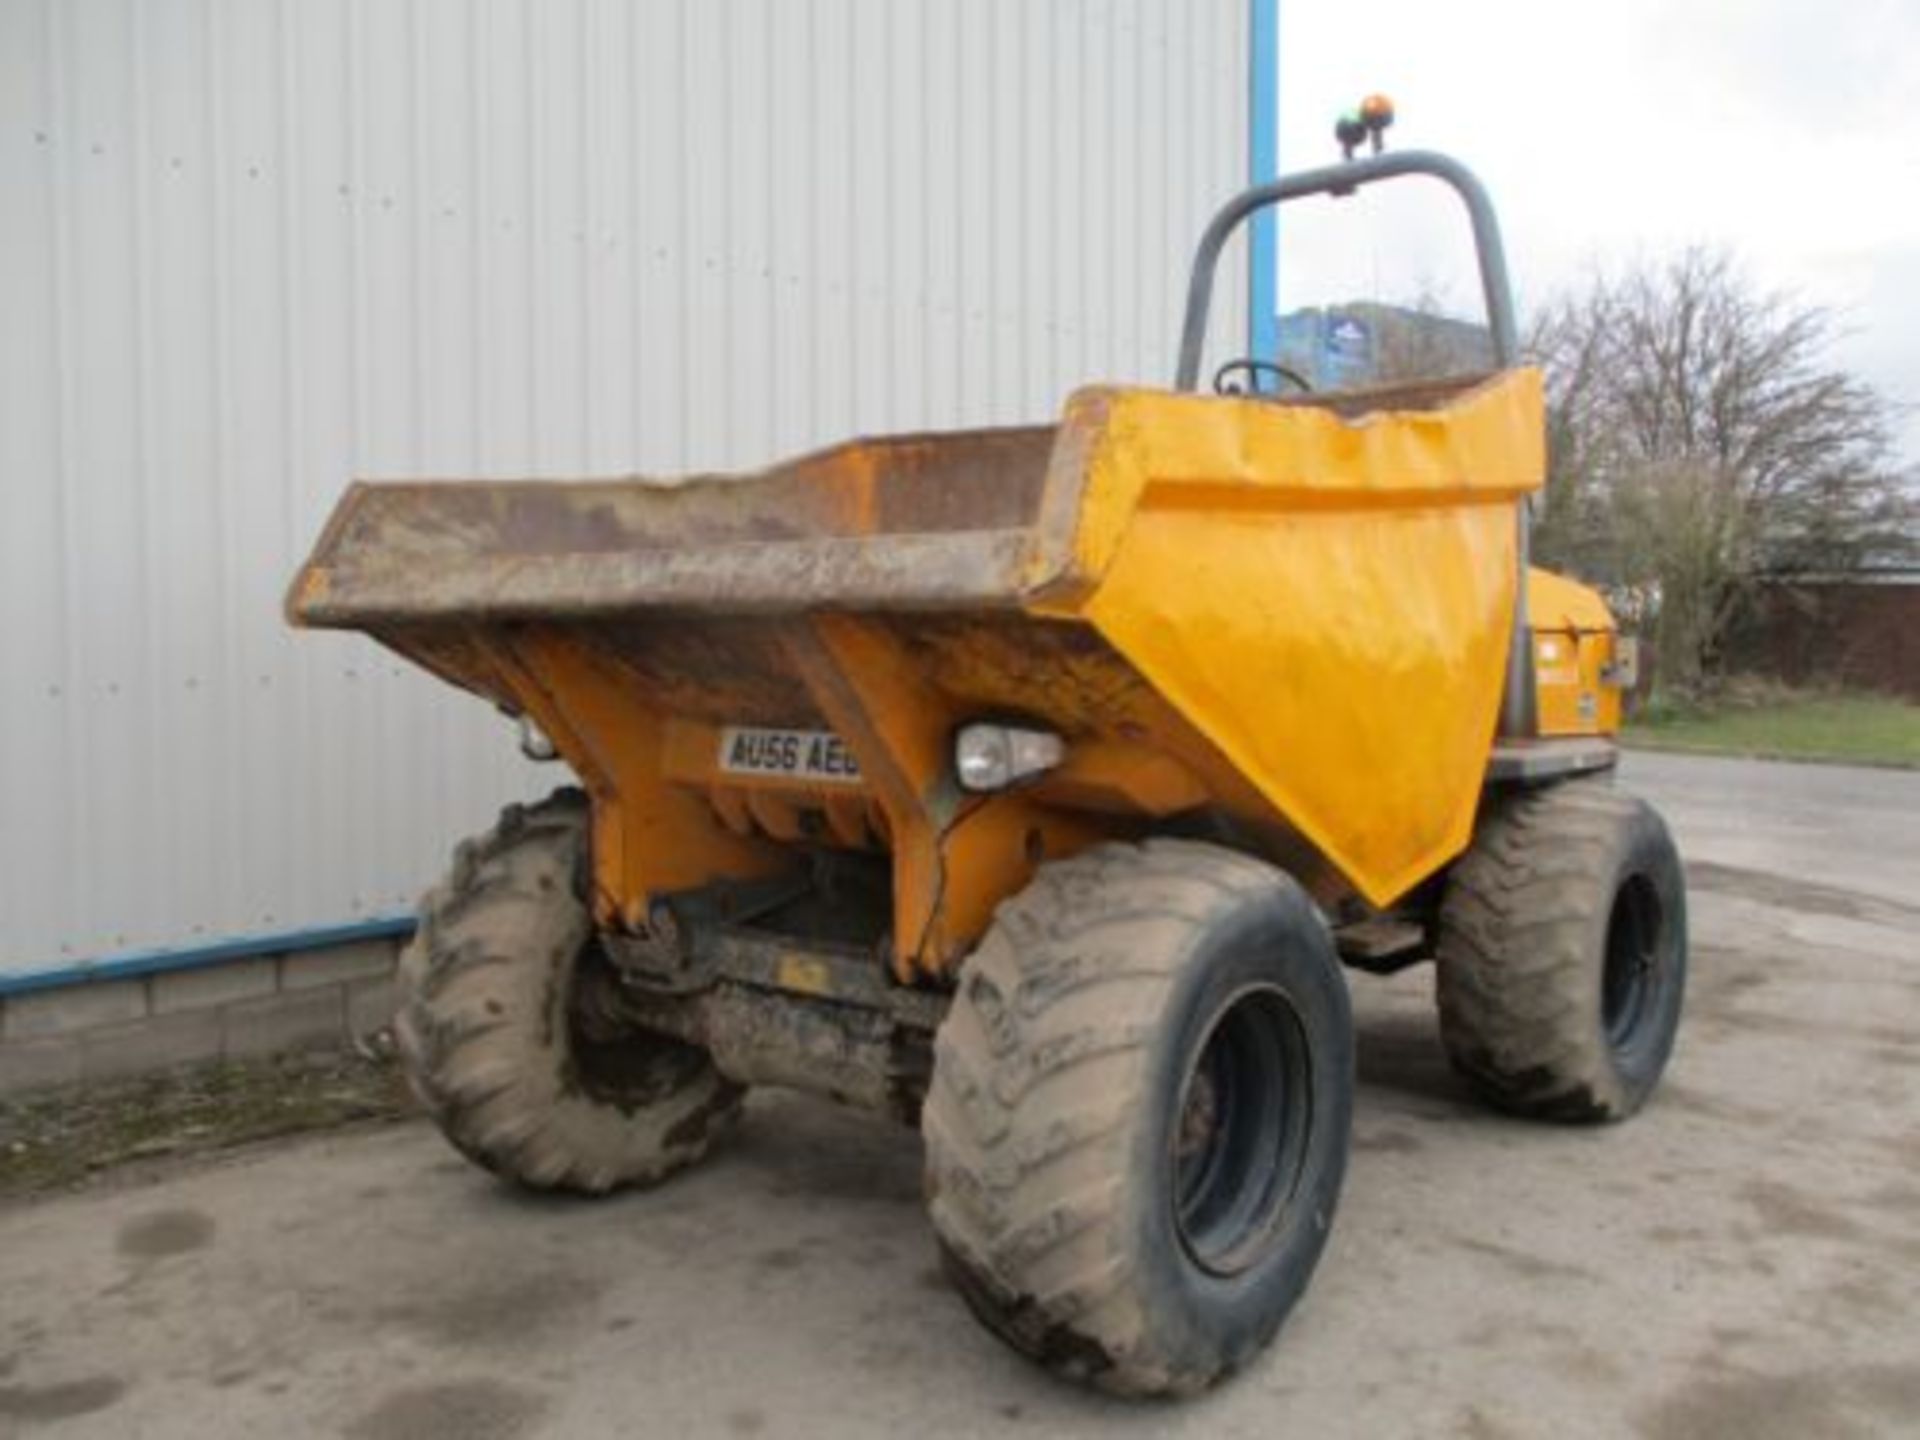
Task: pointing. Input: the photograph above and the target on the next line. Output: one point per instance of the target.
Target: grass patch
(1771, 723)
(52, 1139)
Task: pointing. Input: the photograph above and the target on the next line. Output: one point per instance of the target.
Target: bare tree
(1700, 438)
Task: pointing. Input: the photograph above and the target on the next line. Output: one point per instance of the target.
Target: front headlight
(534, 743)
(992, 757)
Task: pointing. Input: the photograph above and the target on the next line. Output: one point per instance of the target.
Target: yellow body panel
(1573, 646)
(1328, 602)
(1289, 620)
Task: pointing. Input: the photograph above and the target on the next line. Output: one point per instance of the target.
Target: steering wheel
(1255, 369)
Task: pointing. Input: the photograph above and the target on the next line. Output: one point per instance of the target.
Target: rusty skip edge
(946, 572)
(967, 520)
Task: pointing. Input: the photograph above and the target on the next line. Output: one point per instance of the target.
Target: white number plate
(787, 754)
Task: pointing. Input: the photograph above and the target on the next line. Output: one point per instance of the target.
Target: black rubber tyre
(1563, 954)
(1140, 1111)
(489, 1032)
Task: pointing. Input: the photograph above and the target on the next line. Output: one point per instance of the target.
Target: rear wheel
(1139, 1115)
(499, 1038)
(1563, 954)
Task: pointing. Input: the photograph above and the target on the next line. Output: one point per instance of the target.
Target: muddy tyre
(1563, 954)
(491, 1031)
(1139, 1115)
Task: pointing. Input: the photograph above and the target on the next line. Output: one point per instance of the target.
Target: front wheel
(1563, 954)
(1139, 1115)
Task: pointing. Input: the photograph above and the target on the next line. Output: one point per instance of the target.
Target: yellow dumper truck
(1031, 785)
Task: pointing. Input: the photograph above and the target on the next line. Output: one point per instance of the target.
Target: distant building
(1362, 343)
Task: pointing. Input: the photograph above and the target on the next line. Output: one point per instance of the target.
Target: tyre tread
(476, 1039)
(1515, 961)
(1025, 1123)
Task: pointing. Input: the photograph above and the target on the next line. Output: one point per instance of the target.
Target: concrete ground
(1742, 1260)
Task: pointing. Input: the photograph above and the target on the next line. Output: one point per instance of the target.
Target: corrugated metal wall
(249, 249)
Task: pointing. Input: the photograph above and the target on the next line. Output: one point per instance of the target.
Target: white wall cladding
(249, 249)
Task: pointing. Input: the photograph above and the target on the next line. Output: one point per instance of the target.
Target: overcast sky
(1787, 130)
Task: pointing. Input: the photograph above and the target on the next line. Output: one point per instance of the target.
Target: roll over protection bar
(1519, 717)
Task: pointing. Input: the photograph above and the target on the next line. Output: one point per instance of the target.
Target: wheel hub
(1240, 1132)
(1636, 936)
(1199, 1119)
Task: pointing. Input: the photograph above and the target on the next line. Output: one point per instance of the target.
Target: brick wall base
(239, 1009)
(1809, 632)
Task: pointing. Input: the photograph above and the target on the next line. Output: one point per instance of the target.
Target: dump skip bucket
(1293, 614)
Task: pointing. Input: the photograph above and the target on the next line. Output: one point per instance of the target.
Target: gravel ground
(83, 1135)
